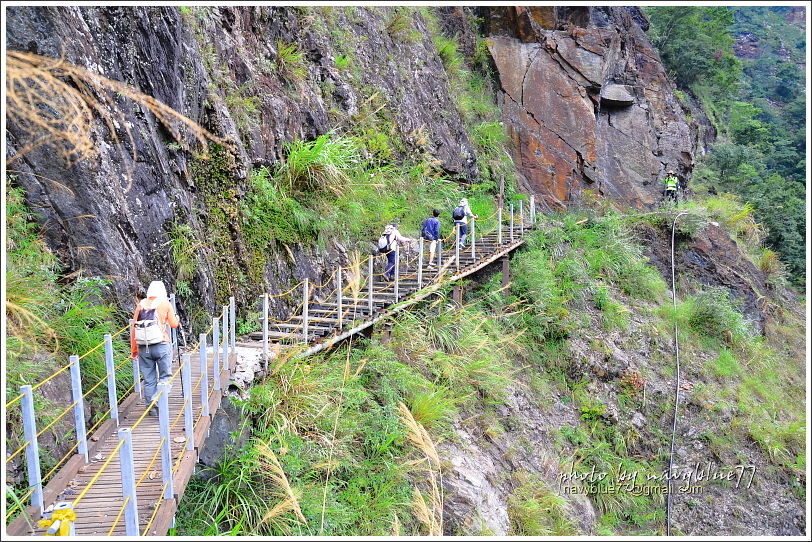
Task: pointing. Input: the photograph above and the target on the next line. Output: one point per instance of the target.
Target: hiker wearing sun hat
(460, 215)
(149, 339)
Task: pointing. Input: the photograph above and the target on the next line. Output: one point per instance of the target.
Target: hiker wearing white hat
(460, 215)
(149, 339)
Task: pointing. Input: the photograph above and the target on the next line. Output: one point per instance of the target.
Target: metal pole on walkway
(370, 277)
(420, 267)
(473, 238)
(232, 321)
(265, 326)
(339, 289)
(125, 458)
(112, 395)
(511, 222)
(499, 235)
(166, 446)
(225, 336)
(188, 424)
(439, 254)
(32, 448)
(136, 372)
(79, 409)
(204, 374)
(521, 218)
(215, 323)
(397, 270)
(532, 209)
(305, 308)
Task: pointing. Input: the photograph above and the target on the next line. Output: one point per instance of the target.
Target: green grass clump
(317, 166)
(290, 61)
(535, 509)
(184, 248)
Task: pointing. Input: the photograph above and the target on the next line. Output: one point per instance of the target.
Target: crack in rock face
(563, 85)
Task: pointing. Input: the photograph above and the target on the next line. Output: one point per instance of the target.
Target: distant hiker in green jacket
(671, 185)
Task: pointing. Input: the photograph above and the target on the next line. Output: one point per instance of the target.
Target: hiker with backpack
(671, 185)
(387, 242)
(460, 215)
(149, 339)
(431, 232)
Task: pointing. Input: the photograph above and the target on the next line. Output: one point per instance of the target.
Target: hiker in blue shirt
(431, 232)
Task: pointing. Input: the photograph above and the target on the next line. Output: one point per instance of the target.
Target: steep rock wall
(587, 103)
(205, 64)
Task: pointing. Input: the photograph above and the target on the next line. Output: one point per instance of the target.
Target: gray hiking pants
(155, 363)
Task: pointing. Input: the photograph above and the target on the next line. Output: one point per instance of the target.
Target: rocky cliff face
(587, 103)
(216, 67)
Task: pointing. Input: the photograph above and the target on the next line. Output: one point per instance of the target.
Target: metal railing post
(499, 235)
(532, 209)
(473, 238)
(511, 222)
(215, 332)
(232, 321)
(521, 218)
(439, 254)
(32, 449)
(79, 409)
(166, 447)
(305, 307)
(340, 298)
(224, 342)
(187, 396)
(420, 267)
(370, 281)
(265, 326)
(125, 458)
(397, 271)
(204, 374)
(112, 396)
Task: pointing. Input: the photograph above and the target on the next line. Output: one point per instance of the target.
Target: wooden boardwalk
(100, 507)
(99, 512)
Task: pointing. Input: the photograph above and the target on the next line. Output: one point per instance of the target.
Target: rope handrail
(146, 410)
(68, 409)
(118, 516)
(287, 292)
(20, 449)
(180, 413)
(152, 462)
(96, 476)
(155, 511)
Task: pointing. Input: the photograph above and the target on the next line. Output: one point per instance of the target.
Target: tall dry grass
(430, 513)
(55, 103)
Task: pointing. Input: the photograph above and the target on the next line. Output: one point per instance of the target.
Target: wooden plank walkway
(99, 512)
(323, 319)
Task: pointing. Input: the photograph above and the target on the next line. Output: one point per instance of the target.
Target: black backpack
(459, 213)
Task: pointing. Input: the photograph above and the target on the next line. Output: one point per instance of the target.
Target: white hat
(157, 289)
(464, 201)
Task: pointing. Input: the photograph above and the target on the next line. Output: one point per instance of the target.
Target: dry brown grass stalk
(55, 103)
(270, 464)
(431, 517)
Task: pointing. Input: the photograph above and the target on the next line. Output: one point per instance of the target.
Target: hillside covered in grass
(470, 418)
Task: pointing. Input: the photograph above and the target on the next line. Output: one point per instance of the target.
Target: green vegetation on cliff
(757, 105)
